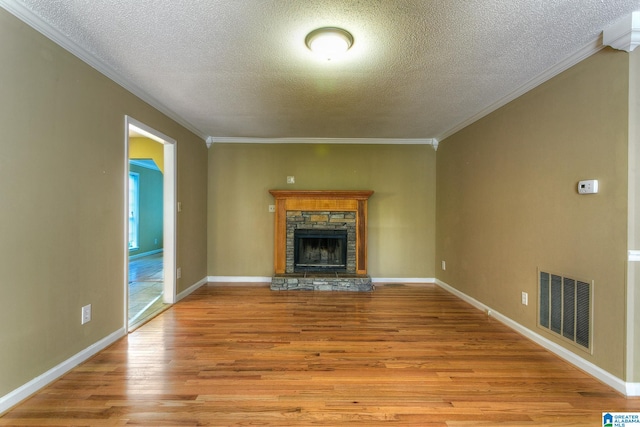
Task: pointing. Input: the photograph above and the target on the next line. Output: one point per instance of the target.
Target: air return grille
(565, 307)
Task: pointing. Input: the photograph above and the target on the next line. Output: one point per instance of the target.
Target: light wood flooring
(247, 356)
(146, 286)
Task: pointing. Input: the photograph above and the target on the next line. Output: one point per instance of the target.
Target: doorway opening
(150, 285)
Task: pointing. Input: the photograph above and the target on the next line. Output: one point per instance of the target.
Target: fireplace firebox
(320, 251)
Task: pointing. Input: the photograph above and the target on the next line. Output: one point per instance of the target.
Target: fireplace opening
(320, 251)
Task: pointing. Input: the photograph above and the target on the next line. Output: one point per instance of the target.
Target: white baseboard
(191, 288)
(382, 280)
(18, 395)
(628, 389)
(267, 279)
(236, 280)
(632, 389)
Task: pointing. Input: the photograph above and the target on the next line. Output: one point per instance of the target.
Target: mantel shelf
(322, 194)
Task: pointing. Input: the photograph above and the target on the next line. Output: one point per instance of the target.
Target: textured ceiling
(417, 69)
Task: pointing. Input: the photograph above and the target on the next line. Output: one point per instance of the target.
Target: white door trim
(169, 212)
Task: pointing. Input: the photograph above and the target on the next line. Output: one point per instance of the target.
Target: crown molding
(624, 34)
(589, 49)
(389, 141)
(21, 12)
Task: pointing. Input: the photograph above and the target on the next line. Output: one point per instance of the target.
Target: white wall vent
(565, 308)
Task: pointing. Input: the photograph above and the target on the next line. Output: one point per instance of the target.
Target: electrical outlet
(444, 265)
(179, 272)
(86, 314)
(291, 180)
(272, 208)
(525, 298)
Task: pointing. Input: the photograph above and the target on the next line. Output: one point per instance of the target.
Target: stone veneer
(322, 220)
(319, 220)
(321, 282)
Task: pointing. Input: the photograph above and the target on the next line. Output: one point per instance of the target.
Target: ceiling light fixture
(329, 42)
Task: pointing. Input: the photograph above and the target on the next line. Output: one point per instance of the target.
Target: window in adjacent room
(134, 209)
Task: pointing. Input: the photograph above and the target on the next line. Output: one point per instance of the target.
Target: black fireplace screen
(320, 250)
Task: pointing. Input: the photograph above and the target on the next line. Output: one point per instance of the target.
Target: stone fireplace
(321, 240)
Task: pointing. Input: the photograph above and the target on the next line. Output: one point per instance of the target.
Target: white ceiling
(240, 68)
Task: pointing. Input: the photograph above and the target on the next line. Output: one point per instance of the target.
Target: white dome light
(329, 42)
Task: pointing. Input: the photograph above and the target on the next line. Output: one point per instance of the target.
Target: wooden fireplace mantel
(320, 200)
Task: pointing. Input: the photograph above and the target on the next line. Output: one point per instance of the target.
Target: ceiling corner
(624, 34)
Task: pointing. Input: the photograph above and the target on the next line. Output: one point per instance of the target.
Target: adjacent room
(209, 220)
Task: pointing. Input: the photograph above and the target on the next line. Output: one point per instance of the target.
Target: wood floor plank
(399, 356)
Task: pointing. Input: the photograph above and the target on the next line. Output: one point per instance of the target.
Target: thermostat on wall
(589, 186)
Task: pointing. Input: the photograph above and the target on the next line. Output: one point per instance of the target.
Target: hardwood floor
(247, 356)
(146, 286)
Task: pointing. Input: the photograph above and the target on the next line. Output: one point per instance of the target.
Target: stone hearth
(320, 282)
(321, 210)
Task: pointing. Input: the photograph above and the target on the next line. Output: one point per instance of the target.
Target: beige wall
(62, 172)
(401, 211)
(507, 202)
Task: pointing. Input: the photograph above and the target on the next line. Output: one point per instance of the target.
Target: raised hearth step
(322, 282)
